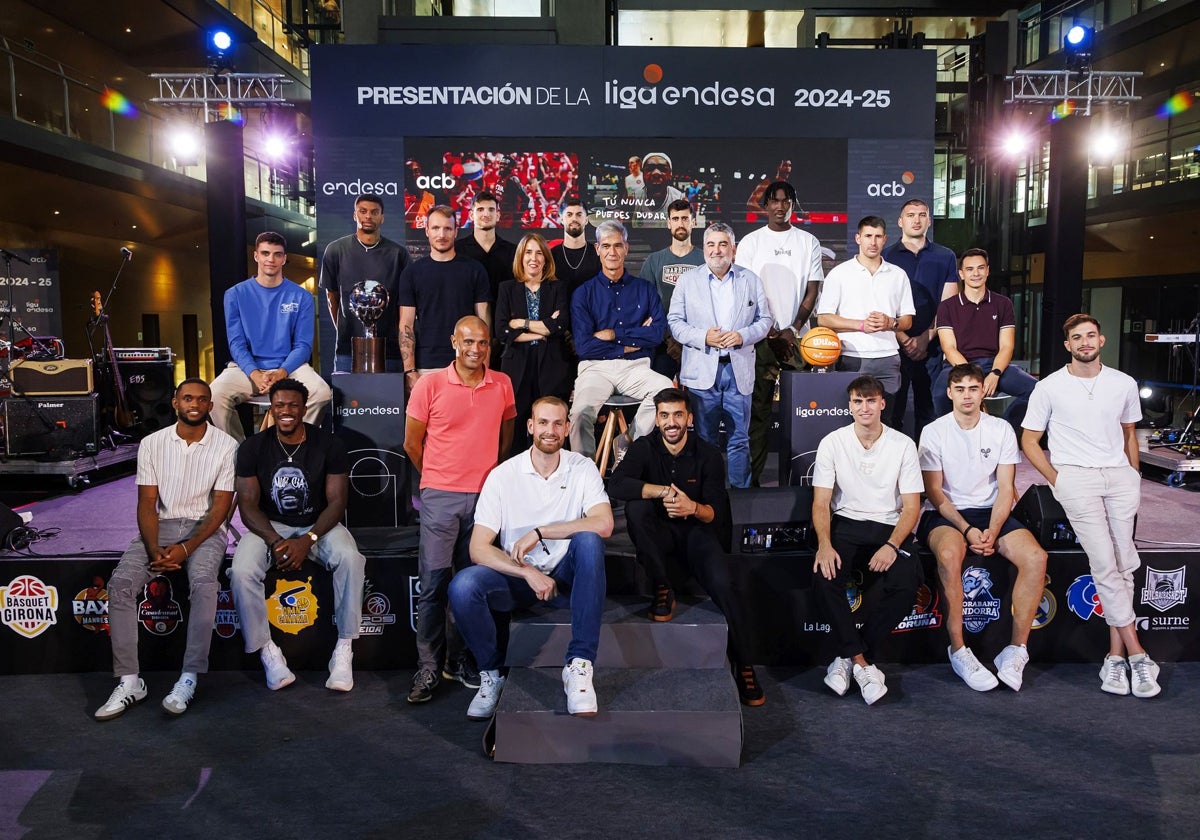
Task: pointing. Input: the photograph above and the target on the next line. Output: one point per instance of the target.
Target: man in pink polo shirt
(459, 419)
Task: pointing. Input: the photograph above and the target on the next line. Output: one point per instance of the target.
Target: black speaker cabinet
(149, 387)
(61, 377)
(771, 520)
(1041, 513)
(61, 427)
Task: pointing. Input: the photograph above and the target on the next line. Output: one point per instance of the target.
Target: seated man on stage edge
(269, 320)
(969, 460)
(866, 499)
(549, 509)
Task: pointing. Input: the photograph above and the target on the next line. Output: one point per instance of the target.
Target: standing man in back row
(933, 277)
(664, 268)
(364, 255)
(575, 261)
(788, 261)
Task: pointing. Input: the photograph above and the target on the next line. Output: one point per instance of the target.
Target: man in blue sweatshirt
(269, 320)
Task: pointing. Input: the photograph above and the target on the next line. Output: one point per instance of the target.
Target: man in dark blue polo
(617, 321)
(932, 271)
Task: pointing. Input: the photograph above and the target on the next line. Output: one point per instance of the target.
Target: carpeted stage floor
(933, 759)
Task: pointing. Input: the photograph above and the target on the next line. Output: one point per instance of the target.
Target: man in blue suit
(718, 313)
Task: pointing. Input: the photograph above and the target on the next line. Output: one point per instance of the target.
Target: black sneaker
(663, 608)
(749, 690)
(464, 672)
(423, 684)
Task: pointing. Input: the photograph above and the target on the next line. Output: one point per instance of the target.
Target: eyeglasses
(655, 167)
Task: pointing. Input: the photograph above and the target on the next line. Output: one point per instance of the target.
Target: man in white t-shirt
(788, 261)
(866, 499)
(969, 460)
(867, 300)
(1089, 412)
(549, 508)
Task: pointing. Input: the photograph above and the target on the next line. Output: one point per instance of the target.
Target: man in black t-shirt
(292, 483)
(482, 244)
(434, 293)
(575, 261)
(364, 255)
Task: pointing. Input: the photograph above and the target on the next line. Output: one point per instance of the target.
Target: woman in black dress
(532, 318)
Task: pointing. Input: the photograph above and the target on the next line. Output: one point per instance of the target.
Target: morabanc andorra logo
(28, 606)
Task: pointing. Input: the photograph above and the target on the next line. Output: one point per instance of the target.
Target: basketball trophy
(368, 300)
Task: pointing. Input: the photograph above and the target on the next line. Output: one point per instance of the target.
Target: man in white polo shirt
(185, 492)
(552, 515)
(969, 460)
(1090, 411)
(866, 499)
(867, 300)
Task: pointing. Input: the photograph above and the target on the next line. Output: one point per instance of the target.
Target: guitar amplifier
(772, 520)
(61, 427)
(63, 377)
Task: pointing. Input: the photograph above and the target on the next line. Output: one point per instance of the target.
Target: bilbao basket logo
(1083, 599)
(226, 622)
(925, 613)
(1164, 590)
(28, 605)
(159, 612)
(90, 606)
(292, 607)
(980, 606)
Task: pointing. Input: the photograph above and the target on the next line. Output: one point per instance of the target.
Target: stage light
(185, 146)
(1105, 146)
(1077, 44)
(275, 146)
(1146, 393)
(1015, 143)
(218, 44)
(1076, 35)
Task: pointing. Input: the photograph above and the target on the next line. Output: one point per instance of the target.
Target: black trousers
(855, 542)
(659, 539)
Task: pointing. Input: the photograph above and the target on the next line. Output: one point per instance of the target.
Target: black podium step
(680, 717)
(695, 638)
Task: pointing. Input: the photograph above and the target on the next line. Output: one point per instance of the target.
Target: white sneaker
(483, 704)
(837, 676)
(870, 680)
(341, 677)
(965, 664)
(577, 683)
(1145, 675)
(278, 675)
(1010, 666)
(176, 703)
(121, 699)
(1115, 679)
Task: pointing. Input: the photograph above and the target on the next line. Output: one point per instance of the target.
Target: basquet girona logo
(28, 606)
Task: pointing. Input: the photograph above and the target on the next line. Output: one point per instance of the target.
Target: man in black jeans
(676, 507)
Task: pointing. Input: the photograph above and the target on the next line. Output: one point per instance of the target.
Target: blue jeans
(724, 397)
(1014, 382)
(477, 591)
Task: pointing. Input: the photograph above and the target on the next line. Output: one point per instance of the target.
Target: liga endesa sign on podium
(811, 405)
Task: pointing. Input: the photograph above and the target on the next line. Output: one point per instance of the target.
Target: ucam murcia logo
(710, 93)
(925, 613)
(1164, 590)
(28, 606)
(90, 606)
(980, 606)
(1083, 599)
(293, 606)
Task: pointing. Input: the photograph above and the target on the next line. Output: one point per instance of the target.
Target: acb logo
(437, 182)
(892, 190)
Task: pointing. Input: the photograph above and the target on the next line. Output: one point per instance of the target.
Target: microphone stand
(111, 373)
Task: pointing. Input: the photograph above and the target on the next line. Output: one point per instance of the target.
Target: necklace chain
(291, 454)
(582, 257)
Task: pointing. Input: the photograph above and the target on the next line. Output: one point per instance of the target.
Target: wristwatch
(997, 371)
(312, 536)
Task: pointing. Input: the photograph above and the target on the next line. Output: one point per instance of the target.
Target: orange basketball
(820, 346)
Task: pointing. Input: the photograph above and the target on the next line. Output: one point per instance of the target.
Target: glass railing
(267, 21)
(41, 92)
(1042, 26)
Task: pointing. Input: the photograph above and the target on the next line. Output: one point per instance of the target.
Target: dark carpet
(932, 759)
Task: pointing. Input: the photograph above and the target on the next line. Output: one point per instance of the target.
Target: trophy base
(368, 355)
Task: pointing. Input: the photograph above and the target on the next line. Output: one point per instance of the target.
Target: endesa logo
(356, 410)
(358, 187)
(894, 189)
(711, 93)
(813, 409)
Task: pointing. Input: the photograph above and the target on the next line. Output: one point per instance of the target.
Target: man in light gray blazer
(718, 313)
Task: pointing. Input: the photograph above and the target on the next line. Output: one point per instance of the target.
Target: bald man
(460, 418)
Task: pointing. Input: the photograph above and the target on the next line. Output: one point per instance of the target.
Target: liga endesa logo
(711, 93)
(894, 189)
(814, 409)
(354, 409)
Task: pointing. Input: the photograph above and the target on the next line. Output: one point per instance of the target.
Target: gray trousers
(130, 578)
(446, 521)
(336, 551)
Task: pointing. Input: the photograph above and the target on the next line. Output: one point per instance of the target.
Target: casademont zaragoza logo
(28, 606)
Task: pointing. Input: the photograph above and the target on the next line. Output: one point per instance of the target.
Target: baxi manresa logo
(980, 606)
(28, 605)
(90, 606)
(1164, 590)
(1083, 599)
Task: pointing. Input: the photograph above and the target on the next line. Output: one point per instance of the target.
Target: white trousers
(600, 379)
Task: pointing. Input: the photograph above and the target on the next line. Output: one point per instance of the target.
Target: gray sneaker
(1010, 666)
(1145, 675)
(1115, 679)
(483, 704)
(870, 681)
(121, 699)
(423, 684)
(176, 703)
(973, 673)
(838, 674)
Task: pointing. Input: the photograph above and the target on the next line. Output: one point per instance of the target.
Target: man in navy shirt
(617, 321)
(932, 273)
